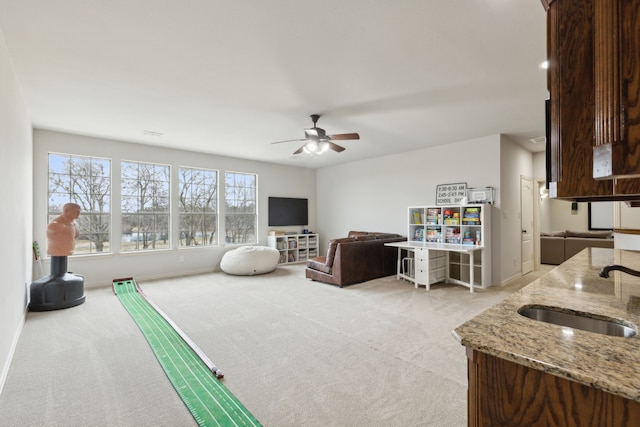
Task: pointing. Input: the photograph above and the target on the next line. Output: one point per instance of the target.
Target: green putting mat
(209, 401)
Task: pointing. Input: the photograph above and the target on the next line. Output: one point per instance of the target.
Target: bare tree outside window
(198, 199)
(240, 207)
(87, 182)
(145, 206)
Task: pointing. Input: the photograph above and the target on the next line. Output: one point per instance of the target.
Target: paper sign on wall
(451, 194)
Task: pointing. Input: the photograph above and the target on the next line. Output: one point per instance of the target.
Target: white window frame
(237, 223)
(93, 196)
(198, 207)
(145, 207)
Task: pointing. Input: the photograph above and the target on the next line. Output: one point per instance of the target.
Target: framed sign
(450, 194)
(600, 215)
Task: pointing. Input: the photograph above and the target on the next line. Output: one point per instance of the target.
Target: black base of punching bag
(60, 289)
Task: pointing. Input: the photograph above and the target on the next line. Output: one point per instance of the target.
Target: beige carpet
(295, 352)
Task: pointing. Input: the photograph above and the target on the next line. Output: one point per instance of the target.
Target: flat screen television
(288, 211)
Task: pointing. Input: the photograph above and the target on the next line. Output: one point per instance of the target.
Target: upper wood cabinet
(617, 89)
(593, 49)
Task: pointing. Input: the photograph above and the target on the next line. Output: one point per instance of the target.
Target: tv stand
(294, 248)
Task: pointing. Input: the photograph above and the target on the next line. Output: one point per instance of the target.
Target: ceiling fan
(317, 140)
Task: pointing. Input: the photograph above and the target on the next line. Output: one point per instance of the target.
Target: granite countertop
(607, 363)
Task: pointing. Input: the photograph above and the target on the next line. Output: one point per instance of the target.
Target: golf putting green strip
(209, 401)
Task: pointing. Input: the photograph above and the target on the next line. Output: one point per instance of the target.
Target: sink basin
(584, 321)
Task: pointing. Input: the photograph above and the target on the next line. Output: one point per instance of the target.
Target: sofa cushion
(382, 236)
(360, 238)
(590, 234)
(358, 233)
(553, 234)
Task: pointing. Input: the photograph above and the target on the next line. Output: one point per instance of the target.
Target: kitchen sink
(577, 320)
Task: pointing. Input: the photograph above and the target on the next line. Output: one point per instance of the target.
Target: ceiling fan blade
(299, 150)
(335, 147)
(344, 136)
(288, 140)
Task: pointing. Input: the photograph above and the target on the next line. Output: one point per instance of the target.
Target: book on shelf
(434, 235)
(467, 238)
(433, 216)
(451, 217)
(452, 235)
(417, 217)
(471, 216)
(418, 235)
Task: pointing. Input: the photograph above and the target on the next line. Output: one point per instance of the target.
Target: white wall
(539, 174)
(100, 269)
(539, 167)
(564, 218)
(556, 214)
(515, 162)
(16, 212)
(373, 195)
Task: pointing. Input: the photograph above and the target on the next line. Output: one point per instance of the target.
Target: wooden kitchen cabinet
(506, 394)
(594, 87)
(617, 89)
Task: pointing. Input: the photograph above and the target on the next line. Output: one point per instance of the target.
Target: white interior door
(526, 223)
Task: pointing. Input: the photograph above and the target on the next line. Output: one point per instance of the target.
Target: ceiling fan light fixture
(311, 147)
(317, 141)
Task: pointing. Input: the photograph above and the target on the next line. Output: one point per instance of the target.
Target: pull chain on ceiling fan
(317, 140)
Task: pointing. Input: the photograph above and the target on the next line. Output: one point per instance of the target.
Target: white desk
(445, 247)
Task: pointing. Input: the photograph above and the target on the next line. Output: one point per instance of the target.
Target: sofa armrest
(319, 264)
(552, 250)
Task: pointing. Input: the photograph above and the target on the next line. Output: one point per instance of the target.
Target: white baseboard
(510, 279)
(12, 350)
(149, 277)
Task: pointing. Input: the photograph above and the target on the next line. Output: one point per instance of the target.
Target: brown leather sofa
(357, 258)
(558, 246)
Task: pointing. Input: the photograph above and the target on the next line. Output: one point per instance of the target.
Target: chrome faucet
(605, 271)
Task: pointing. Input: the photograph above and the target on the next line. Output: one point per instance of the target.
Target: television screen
(288, 211)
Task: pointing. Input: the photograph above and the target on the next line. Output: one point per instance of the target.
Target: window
(240, 207)
(198, 199)
(87, 182)
(145, 206)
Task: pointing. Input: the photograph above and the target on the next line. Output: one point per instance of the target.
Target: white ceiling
(230, 77)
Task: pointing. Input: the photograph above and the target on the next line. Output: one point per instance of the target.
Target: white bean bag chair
(250, 260)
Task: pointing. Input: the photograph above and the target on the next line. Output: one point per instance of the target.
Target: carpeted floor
(295, 352)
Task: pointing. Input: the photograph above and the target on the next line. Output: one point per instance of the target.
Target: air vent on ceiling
(538, 140)
(152, 133)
